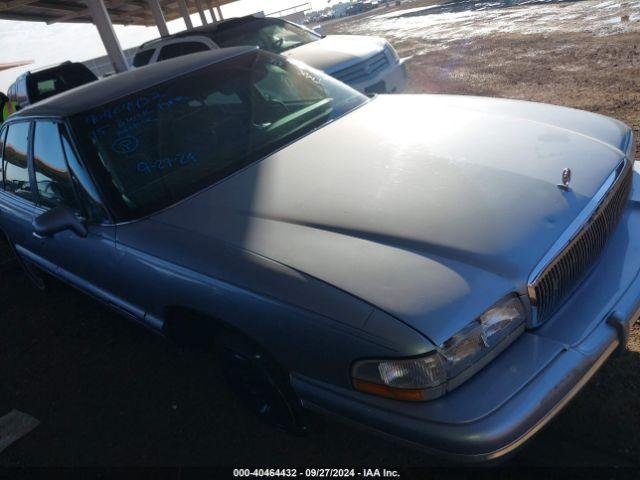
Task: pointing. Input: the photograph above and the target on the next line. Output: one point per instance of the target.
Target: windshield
(153, 148)
(269, 34)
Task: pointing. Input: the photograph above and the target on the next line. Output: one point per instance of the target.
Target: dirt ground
(109, 393)
(594, 69)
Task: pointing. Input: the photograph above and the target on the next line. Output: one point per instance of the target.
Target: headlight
(431, 376)
(391, 53)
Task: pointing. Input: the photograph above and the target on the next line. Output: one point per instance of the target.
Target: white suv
(368, 64)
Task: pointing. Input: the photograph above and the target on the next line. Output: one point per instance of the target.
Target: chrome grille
(364, 70)
(555, 279)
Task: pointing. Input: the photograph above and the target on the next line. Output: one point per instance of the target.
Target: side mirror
(58, 220)
(319, 30)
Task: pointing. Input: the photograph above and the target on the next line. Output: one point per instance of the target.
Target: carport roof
(136, 12)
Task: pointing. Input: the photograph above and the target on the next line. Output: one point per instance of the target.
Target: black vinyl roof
(98, 93)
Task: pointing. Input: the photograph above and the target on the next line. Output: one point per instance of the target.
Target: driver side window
(279, 85)
(53, 181)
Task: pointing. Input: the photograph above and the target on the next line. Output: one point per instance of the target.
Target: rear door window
(143, 58)
(271, 34)
(16, 170)
(51, 172)
(179, 49)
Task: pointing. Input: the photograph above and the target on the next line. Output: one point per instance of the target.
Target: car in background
(358, 8)
(327, 16)
(36, 85)
(445, 270)
(368, 64)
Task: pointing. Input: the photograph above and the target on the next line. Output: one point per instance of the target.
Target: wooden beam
(54, 7)
(110, 6)
(74, 12)
(7, 66)
(81, 13)
(15, 4)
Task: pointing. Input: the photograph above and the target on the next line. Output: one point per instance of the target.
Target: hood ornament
(566, 179)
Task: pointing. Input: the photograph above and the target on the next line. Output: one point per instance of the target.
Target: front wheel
(260, 383)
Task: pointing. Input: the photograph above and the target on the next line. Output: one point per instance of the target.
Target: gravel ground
(110, 393)
(581, 54)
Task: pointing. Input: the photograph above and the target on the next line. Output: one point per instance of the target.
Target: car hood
(335, 52)
(430, 208)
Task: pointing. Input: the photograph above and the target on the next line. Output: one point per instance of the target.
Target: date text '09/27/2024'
(166, 163)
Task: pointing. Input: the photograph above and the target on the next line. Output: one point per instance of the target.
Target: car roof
(103, 91)
(50, 67)
(44, 69)
(220, 26)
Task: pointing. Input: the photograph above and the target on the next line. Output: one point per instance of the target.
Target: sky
(50, 44)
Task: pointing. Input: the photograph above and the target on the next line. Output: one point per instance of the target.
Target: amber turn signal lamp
(407, 394)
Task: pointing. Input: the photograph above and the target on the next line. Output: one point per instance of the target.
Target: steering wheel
(277, 43)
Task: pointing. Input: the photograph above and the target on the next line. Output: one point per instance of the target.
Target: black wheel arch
(188, 327)
(191, 328)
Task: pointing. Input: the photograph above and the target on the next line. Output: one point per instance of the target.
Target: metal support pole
(214, 20)
(158, 16)
(203, 18)
(220, 17)
(110, 41)
(184, 11)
